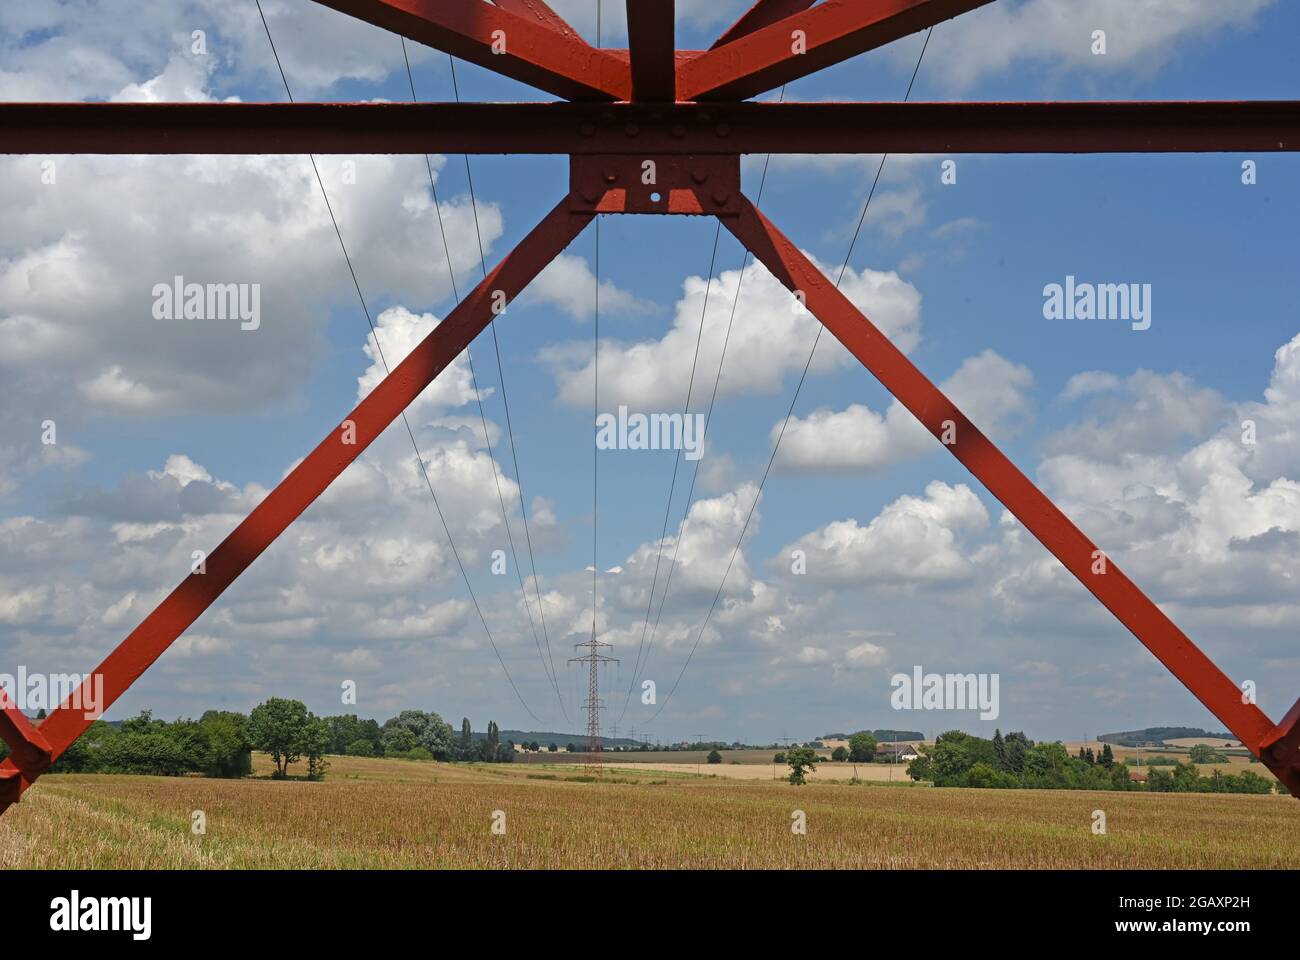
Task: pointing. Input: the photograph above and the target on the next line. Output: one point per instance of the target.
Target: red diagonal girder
(539, 11)
(652, 50)
(304, 484)
(30, 750)
(762, 14)
(833, 31)
(991, 467)
(533, 52)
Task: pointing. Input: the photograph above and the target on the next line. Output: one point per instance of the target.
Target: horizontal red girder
(359, 128)
(534, 51)
(1004, 480)
(832, 31)
(311, 477)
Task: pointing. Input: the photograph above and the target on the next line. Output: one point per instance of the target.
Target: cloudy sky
(169, 431)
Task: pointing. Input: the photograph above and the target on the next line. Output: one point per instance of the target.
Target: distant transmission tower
(593, 658)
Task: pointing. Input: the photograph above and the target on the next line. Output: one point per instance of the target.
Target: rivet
(587, 129)
(722, 130)
(631, 129)
(679, 131)
(699, 175)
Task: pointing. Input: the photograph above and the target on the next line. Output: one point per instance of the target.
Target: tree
(779, 758)
(399, 741)
(465, 745)
(1017, 746)
(1187, 779)
(489, 748)
(553, 748)
(984, 775)
(279, 727)
(430, 731)
(839, 754)
(714, 756)
(155, 754)
(1000, 749)
(1107, 757)
(315, 744)
(143, 723)
(85, 753)
(798, 758)
(226, 750)
(1159, 781)
(360, 748)
(1202, 753)
(862, 747)
(344, 729)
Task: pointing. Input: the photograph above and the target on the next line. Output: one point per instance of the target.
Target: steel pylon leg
(36, 749)
(1275, 745)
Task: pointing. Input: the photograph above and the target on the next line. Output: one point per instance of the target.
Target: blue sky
(166, 437)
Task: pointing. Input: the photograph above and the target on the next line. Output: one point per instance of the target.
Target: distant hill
(880, 735)
(1156, 736)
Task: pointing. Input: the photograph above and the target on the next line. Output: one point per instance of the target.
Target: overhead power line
(424, 470)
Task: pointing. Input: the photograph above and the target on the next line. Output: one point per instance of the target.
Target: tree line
(221, 742)
(959, 759)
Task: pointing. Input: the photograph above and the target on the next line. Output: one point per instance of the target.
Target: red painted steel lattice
(684, 110)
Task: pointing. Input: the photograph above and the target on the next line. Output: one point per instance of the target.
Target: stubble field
(393, 813)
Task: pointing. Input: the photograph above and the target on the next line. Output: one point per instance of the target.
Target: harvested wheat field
(393, 813)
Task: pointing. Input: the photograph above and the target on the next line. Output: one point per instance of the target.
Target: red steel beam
(539, 11)
(307, 481)
(528, 128)
(30, 750)
(684, 184)
(830, 32)
(991, 467)
(493, 37)
(652, 49)
(762, 14)
(1282, 748)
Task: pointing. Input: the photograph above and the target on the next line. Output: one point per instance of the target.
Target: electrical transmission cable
(795, 399)
(496, 473)
(380, 353)
(708, 419)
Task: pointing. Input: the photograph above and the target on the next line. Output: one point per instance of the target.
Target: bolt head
(631, 129)
(587, 129)
(723, 130)
(699, 174)
(679, 131)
